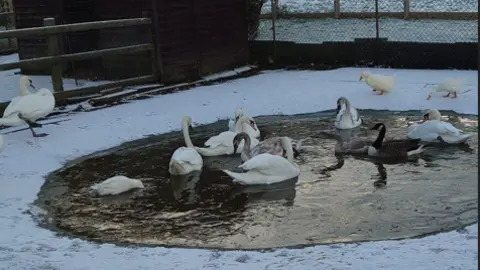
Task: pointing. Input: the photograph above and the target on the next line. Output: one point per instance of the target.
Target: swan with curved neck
(271, 145)
(24, 82)
(185, 159)
(222, 144)
(348, 117)
(393, 148)
(27, 109)
(267, 168)
(433, 129)
(251, 129)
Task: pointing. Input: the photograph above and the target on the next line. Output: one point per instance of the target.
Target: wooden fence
(339, 14)
(56, 59)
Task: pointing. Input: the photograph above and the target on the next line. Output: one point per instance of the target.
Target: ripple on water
(434, 193)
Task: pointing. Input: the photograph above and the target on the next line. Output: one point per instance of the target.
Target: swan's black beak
(235, 147)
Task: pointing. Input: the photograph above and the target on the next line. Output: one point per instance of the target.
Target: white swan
(266, 168)
(433, 129)
(24, 82)
(222, 144)
(378, 82)
(2, 143)
(347, 117)
(253, 131)
(185, 159)
(27, 109)
(116, 185)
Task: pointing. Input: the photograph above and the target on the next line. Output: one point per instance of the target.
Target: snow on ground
(26, 160)
(369, 5)
(11, 78)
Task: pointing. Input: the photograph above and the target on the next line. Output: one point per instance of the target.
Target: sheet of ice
(26, 160)
(10, 81)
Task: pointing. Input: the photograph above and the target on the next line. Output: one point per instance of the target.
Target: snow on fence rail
(55, 58)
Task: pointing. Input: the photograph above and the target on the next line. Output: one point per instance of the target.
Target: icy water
(434, 193)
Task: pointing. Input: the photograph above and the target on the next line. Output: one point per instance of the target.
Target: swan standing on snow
(267, 168)
(116, 185)
(378, 82)
(271, 145)
(252, 131)
(24, 82)
(451, 86)
(393, 148)
(347, 117)
(185, 159)
(222, 144)
(433, 129)
(27, 109)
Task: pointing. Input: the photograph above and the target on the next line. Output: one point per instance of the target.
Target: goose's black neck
(381, 135)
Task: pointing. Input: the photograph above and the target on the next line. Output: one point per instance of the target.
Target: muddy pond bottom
(436, 192)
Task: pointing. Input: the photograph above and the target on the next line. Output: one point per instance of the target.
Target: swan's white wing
(433, 128)
(187, 155)
(354, 114)
(34, 106)
(265, 163)
(224, 138)
(11, 106)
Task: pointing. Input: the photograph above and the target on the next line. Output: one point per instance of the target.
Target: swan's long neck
(381, 135)
(347, 106)
(246, 146)
(239, 126)
(186, 135)
(23, 89)
(287, 145)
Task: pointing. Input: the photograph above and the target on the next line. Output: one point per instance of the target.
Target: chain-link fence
(318, 21)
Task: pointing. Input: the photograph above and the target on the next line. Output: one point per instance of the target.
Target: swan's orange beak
(425, 118)
(429, 97)
(361, 77)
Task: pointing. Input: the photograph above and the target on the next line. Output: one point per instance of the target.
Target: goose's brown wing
(399, 147)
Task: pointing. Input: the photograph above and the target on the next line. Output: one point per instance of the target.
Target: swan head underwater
(432, 115)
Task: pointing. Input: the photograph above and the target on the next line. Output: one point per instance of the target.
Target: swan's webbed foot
(39, 135)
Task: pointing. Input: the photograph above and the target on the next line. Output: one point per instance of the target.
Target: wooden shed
(192, 37)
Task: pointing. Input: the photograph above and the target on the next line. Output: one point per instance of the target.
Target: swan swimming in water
(271, 145)
(116, 185)
(222, 144)
(433, 129)
(347, 117)
(267, 168)
(185, 159)
(252, 131)
(27, 109)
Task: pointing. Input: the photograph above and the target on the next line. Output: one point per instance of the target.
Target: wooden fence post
(336, 8)
(54, 50)
(406, 9)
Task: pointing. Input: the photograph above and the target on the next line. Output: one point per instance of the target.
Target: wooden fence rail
(56, 59)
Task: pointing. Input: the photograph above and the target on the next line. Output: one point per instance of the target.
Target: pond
(437, 192)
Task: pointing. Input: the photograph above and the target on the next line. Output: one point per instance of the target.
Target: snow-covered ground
(10, 80)
(25, 161)
(311, 6)
(321, 30)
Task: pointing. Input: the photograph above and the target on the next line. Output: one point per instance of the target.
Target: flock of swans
(263, 162)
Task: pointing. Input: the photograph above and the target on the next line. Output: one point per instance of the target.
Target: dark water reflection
(330, 201)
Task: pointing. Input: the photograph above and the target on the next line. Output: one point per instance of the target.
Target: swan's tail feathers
(10, 122)
(145, 179)
(176, 168)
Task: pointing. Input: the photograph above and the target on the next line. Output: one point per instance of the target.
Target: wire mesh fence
(318, 21)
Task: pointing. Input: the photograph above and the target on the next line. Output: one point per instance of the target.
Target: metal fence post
(377, 34)
(336, 8)
(274, 34)
(406, 9)
(54, 50)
